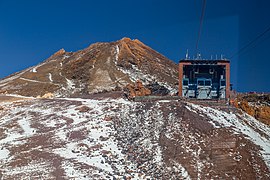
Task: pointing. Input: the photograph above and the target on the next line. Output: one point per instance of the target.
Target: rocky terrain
(69, 118)
(97, 68)
(256, 105)
(108, 137)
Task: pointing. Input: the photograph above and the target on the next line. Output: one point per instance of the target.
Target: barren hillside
(108, 137)
(68, 118)
(97, 68)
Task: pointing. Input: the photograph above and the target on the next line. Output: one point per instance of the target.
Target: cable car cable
(250, 43)
(201, 24)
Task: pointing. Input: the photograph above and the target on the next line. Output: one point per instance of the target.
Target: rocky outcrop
(48, 96)
(59, 53)
(255, 105)
(137, 90)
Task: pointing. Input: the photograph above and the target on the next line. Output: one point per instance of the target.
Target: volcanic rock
(101, 67)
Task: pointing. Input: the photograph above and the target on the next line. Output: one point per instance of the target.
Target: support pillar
(227, 80)
(181, 74)
(227, 76)
(180, 89)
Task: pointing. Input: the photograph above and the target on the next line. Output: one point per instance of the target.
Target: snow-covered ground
(108, 138)
(256, 131)
(97, 148)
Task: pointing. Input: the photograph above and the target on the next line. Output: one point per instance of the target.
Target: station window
(201, 83)
(222, 83)
(185, 82)
(207, 83)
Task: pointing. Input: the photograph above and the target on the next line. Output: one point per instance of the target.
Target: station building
(204, 79)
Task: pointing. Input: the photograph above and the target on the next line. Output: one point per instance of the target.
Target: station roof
(204, 61)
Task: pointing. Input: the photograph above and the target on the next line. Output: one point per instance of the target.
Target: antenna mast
(187, 55)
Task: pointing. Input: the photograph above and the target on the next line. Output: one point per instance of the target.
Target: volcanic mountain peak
(134, 44)
(99, 67)
(131, 41)
(125, 39)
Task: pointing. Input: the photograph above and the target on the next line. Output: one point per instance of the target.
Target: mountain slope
(110, 138)
(100, 67)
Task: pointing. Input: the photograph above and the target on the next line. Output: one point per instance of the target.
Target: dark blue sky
(30, 31)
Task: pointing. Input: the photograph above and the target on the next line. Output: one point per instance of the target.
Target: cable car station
(204, 79)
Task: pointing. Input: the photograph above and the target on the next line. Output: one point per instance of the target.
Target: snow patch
(4, 154)
(50, 77)
(41, 168)
(34, 70)
(73, 173)
(31, 80)
(18, 96)
(70, 84)
(66, 56)
(158, 156)
(182, 170)
(12, 138)
(117, 53)
(25, 125)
